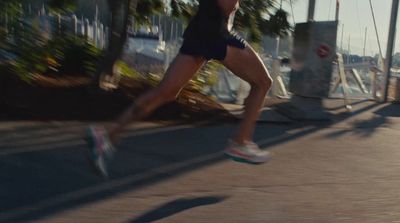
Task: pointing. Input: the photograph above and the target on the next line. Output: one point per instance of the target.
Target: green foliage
(183, 9)
(62, 5)
(25, 42)
(3, 38)
(27, 45)
(72, 55)
(262, 17)
(12, 9)
(277, 25)
(62, 55)
(206, 77)
(145, 8)
(125, 70)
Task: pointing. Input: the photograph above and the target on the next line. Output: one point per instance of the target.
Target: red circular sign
(323, 51)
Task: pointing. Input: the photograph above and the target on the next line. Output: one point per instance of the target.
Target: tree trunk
(121, 12)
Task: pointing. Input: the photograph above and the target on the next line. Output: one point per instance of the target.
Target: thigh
(246, 64)
(181, 70)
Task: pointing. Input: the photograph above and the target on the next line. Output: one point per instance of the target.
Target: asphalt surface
(346, 170)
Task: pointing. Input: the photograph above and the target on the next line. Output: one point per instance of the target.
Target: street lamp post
(337, 10)
(311, 10)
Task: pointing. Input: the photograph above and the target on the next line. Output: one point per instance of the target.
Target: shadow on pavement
(366, 127)
(391, 110)
(177, 206)
(40, 182)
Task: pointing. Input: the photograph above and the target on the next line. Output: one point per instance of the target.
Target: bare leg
(181, 70)
(246, 64)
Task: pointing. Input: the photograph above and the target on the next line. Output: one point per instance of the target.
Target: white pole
(101, 36)
(348, 51)
(74, 24)
(96, 16)
(376, 30)
(59, 23)
(95, 32)
(365, 40)
(341, 41)
(275, 69)
(86, 25)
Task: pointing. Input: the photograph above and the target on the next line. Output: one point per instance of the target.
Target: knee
(268, 82)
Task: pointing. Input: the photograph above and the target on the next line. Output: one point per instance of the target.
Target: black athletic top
(208, 24)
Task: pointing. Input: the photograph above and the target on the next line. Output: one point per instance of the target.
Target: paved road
(343, 171)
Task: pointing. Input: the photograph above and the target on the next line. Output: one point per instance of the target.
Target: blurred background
(55, 56)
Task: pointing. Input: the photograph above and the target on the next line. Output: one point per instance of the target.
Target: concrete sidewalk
(346, 170)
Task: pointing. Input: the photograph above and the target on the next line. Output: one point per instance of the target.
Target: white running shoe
(100, 149)
(249, 152)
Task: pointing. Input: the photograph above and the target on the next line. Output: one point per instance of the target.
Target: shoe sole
(93, 166)
(243, 160)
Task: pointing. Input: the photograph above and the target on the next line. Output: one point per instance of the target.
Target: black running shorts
(212, 49)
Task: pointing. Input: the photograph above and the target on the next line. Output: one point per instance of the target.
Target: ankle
(240, 141)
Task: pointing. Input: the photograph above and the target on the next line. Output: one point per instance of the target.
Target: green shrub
(206, 77)
(28, 47)
(125, 70)
(63, 55)
(73, 56)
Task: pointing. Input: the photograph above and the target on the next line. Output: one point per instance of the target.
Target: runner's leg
(181, 70)
(246, 64)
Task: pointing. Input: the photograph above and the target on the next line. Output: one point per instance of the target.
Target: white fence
(50, 24)
(94, 31)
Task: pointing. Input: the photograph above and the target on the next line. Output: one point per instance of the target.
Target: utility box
(314, 51)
